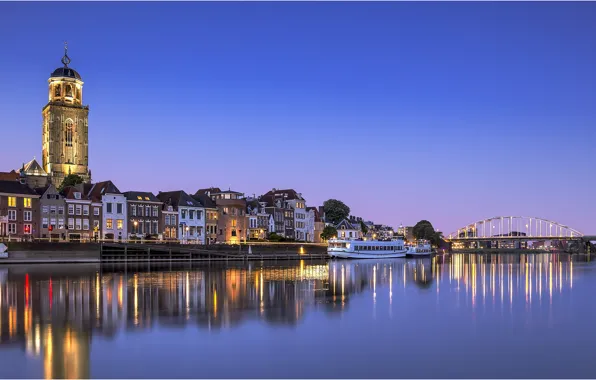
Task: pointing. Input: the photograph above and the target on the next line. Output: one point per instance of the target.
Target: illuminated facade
(65, 139)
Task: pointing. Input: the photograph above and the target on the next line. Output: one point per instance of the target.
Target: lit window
(27, 202)
(12, 202)
(139, 197)
(109, 224)
(146, 198)
(27, 229)
(119, 224)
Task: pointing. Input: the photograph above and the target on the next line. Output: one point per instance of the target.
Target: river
(460, 315)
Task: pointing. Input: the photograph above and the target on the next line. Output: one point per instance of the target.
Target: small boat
(421, 248)
(366, 249)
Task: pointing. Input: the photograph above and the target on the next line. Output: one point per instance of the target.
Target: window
(133, 210)
(78, 209)
(77, 195)
(44, 222)
(140, 230)
(45, 209)
(199, 214)
(95, 224)
(27, 229)
(191, 214)
(109, 208)
(61, 223)
(173, 219)
(53, 222)
(225, 210)
(70, 209)
(60, 210)
(12, 228)
(12, 202)
(140, 210)
(167, 219)
(27, 216)
(155, 227)
(78, 224)
(12, 214)
(139, 197)
(155, 211)
(119, 224)
(119, 208)
(86, 210)
(71, 223)
(109, 224)
(147, 210)
(96, 211)
(86, 224)
(68, 133)
(27, 202)
(183, 214)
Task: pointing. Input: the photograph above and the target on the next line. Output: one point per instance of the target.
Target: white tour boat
(366, 249)
(421, 248)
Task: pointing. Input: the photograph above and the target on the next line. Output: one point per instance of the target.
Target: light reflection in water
(60, 316)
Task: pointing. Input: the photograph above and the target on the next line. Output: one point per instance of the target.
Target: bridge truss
(514, 227)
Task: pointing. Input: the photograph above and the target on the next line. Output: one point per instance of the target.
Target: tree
(363, 228)
(335, 211)
(71, 180)
(328, 233)
(425, 230)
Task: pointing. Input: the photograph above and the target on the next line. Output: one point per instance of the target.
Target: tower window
(57, 90)
(68, 90)
(68, 137)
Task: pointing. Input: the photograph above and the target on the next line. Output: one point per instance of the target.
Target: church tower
(65, 140)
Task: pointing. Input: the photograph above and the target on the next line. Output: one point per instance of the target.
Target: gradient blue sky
(450, 112)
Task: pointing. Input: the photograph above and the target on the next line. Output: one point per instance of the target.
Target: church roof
(67, 72)
(34, 168)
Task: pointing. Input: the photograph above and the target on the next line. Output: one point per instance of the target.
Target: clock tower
(65, 141)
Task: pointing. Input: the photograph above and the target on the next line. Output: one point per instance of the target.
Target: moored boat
(366, 249)
(421, 248)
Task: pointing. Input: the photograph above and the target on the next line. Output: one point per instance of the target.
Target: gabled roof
(17, 188)
(69, 192)
(45, 189)
(208, 191)
(287, 194)
(346, 225)
(100, 188)
(178, 198)
(34, 168)
(144, 196)
(9, 176)
(205, 200)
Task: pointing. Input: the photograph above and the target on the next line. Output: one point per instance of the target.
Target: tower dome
(65, 71)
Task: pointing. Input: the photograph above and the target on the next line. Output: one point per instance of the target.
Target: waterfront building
(191, 216)
(52, 213)
(232, 223)
(83, 216)
(143, 210)
(169, 221)
(65, 126)
(114, 226)
(347, 230)
(259, 221)
(317, 224)
(296, 202)
(274, 208)
(211, 217)
(19, 208)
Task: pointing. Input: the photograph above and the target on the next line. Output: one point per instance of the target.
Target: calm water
(455, 316)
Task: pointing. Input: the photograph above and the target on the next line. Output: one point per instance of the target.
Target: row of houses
(31, 207)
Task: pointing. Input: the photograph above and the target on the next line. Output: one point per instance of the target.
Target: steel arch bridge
(515, 227)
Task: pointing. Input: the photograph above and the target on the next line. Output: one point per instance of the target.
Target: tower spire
(66, 58)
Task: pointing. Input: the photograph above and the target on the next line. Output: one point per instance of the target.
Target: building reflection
(53, 313)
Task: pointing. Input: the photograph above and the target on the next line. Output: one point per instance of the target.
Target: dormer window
(139, 197)
(146, 198)
(77, 195)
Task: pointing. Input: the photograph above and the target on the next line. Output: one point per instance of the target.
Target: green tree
(363, 228)
(328, 233)
(71, 180)
(335, 211)
(425, 230)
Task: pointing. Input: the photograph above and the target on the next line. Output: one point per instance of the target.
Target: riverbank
(79, 253)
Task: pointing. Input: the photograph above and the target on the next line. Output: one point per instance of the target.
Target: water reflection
(52, 312)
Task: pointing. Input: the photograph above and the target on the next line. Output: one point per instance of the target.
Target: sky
(450, 112)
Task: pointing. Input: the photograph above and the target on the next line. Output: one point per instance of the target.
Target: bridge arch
(514, 226)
